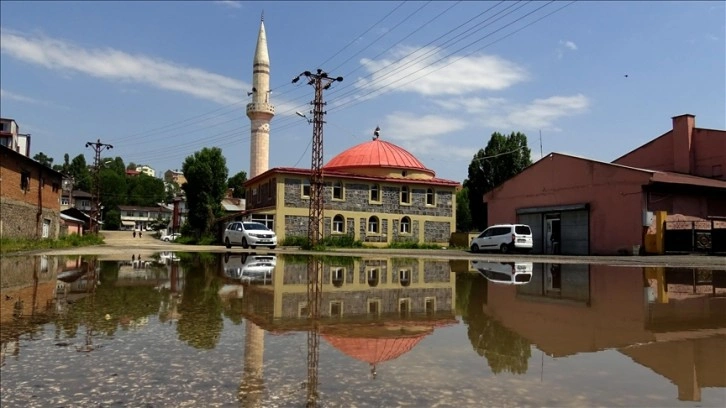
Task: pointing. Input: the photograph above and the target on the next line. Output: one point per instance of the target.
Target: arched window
(373, 277)
(405, 225)
(430, 197)
(373, 225)
(405, 196)
(404, 277)
(338, 224)
(337, 277)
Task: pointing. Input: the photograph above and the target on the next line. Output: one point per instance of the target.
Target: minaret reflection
(252, 387)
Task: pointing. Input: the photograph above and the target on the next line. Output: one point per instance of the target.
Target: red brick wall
(20, 208)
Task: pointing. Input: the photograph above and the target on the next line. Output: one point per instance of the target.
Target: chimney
(682, 143)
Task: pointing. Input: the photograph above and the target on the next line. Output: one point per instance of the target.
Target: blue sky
(161, 80)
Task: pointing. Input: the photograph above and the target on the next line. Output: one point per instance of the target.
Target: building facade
(140, 218)
(11, 137)
(30, 198)
(375, 192)
(579, 206)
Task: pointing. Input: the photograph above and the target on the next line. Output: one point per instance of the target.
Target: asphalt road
(120, 244)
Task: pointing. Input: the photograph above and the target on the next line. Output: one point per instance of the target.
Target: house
(174, 176)
(29, 197)
(77, 199)
(375, 192)
(146, 170)
(11, 137)
(580, 206)
(138, 217)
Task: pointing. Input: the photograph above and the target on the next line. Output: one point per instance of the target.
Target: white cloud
(117, 65)
(421, 134)
(230, 3)
(539, 114)
(569, 44)
(17, 97)
(428, 72)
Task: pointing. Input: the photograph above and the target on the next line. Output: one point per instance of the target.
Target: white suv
(249, 234)
(513, 273)
(504, 238)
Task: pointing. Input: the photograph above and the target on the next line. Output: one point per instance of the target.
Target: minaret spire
(259, 110)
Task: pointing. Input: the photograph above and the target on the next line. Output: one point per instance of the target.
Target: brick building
(29, 197)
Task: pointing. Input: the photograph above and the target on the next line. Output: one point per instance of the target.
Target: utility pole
(320, 81)
(98, 147)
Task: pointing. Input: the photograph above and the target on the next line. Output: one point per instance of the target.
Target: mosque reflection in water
(375, 310)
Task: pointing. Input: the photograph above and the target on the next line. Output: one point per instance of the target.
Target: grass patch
(331, 241)
(190, 240)
(412, 245)
(8, 245)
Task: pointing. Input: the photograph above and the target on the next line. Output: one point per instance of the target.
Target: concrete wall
(710, 153)
(613, 193)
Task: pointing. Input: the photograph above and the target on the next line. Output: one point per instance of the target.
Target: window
(337, 277)
(375, 192)
(338, 224)
(430, 196)
(430, 305)
(65, 201)
(405, 225)
(404, 277)
(405, 196)
(303, 310)
(306, 188)
(373, 225)
(25, 180)
(373, 277)
(374, 306)
(338, 190)
(336, 308)
(268, 220)
(404, 307)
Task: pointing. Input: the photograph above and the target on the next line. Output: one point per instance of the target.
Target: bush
(409, 244)
(295, 240)
(8, 245)
(341, 241)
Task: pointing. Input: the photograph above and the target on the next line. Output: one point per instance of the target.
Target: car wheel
(244, 243)
(166, 239)
(272, 247)
(252, 246)
(474, 248)
(504, 248)
(227, 243)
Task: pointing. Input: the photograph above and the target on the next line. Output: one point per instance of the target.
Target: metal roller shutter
(575, 231)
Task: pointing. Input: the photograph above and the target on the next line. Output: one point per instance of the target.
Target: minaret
(260, 111)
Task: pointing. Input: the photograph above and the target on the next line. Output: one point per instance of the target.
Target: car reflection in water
(249, 268)
(511, 273)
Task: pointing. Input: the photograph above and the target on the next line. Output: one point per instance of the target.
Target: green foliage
(144, 190)
(463, 213)
(206, 174)
(411, 244)
(341, 241)
(8, 245)
(201, 323)
(112, 220)
(503, 158)
(43, 159)
(192, 240)
(78, 170)
(237, 182)
(294, 240)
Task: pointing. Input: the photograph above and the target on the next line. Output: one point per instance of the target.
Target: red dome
(374, 350)
(376, 153)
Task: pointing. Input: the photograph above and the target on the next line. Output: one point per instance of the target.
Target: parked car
(513, 273)
(249, 268)
(249, 234)
(170, 237)
(504, 238)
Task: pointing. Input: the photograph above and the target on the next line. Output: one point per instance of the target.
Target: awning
(128, 223)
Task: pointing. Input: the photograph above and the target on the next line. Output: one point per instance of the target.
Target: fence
(708, 236)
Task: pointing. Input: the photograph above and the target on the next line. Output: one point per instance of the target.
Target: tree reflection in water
(200, 323)
(503, 349)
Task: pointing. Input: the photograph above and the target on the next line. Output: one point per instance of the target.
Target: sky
(162, 80)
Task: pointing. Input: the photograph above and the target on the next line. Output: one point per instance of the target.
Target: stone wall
(19, 220)
(296, 226)
(437, 231)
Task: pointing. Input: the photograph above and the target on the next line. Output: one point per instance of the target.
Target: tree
(503, 158)
(63, 168)
(144, 190)
(237, 182)
(206, 174)
(463, 214)
(43, 159)
(78, 169)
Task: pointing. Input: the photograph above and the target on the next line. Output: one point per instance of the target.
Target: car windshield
(254, 226)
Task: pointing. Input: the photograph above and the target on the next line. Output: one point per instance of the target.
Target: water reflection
(369, 317)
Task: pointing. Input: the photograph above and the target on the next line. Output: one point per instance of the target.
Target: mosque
(376, 192)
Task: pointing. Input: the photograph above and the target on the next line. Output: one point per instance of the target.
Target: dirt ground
(121, 244)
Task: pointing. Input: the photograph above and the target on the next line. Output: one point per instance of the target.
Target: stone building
(375, 192)
(29, 197)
